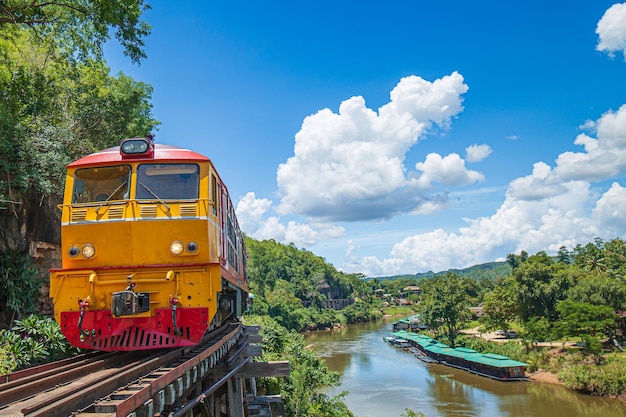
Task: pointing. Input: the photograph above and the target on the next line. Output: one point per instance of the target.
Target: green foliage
(80, 27)
(500, 307)
(56, 112)
(32, 341)
(603, 380)
(7, 360)
(585, 319)
(302, 390)
(282, 277)
(20, 287)
(541, 283)
(58, 101)
(538, 329)
(445, 304)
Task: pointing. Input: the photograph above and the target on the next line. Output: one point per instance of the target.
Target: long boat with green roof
(489, 365)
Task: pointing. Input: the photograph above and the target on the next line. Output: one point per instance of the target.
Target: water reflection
(383, 381)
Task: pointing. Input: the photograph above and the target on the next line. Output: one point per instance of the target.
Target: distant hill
(490, 270)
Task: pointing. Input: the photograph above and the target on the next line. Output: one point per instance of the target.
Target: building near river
(490, 365)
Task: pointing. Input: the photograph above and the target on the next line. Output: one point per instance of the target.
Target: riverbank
(545, 377)
(402, 381)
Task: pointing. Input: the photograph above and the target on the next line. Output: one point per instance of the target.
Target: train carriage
(152, 253)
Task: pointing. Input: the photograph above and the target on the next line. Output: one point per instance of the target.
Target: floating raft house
(490, 365)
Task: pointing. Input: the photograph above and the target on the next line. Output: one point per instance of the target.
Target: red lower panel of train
(168, 328)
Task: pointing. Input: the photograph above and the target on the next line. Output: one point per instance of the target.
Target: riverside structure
(490, 365)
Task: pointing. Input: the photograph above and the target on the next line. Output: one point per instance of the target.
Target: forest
(59, 101)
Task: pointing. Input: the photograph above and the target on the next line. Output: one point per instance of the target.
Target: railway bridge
(216, 378)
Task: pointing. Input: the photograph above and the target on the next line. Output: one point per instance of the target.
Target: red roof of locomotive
(162, 153)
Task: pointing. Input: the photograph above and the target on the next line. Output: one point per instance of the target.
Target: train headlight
(176, 247)
(89, 250)
(134, 146)
(192, 247)
(73, 252)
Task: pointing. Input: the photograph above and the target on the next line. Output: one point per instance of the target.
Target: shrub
(606, 380)
(32, 341)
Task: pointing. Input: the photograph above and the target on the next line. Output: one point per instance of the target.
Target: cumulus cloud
(476, 153)
(552, 207)
(449, 170)
(611, 30)
(252, 214)
(350, 165)
(517, 225)
(603, 157)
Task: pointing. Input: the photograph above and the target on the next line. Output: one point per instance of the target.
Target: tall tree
(500, 307)
(541, 283)
(445, 304)
(79, 28)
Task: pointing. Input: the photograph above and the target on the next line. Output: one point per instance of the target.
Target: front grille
(188, 210)
(79, 215)
(116, 213)
(148, 211)
(136, 337)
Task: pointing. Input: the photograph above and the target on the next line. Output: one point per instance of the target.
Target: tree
(540, 284)
(302, 391)
(52, 112)
(80, 27)
(500, 307)
(516, 260)
(585, 319)
(600, 289)
(445, 304)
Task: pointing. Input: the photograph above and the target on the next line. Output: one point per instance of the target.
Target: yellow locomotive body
(152, 252)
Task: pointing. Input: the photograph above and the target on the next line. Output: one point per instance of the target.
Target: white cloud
(476, 153)
(349, 165)
(251, 213)
(449, 170)
(517, 225)
(603, 157)
(609, 211)
(550, 208)
(540, 185)
(611, 30)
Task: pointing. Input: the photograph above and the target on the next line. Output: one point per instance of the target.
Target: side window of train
(168, 181)
(214, 193)
(101, 184)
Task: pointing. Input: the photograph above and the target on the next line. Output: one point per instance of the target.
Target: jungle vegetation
(59, 101)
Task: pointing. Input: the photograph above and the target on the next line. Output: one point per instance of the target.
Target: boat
(490, 365)
(397, 341)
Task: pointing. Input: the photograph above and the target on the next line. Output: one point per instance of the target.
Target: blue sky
(404, 136)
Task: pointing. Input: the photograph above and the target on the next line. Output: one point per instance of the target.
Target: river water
(384, 381)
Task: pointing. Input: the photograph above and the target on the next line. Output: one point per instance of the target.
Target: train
(152, 255)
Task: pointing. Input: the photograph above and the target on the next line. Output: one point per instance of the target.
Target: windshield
(167, 182)
(101, 184)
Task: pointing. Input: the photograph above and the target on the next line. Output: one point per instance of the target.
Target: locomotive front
(152, 255)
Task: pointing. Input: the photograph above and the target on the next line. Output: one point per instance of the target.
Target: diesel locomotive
(152, 253)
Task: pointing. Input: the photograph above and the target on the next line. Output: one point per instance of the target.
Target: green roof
(432, 345)
(497, 361)
(463, 353)
(439, 348)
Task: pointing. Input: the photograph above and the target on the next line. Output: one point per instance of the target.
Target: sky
(403, 136)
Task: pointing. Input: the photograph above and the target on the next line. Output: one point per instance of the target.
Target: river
(383, 381)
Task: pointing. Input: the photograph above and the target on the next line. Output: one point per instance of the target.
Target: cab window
(101, 184)
(167, 181)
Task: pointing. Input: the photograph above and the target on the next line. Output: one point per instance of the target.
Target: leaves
(79, 28)
(33, 340)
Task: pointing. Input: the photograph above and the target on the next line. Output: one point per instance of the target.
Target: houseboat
(489, 365)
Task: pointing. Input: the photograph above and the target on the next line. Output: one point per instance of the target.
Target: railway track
(141, 383)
